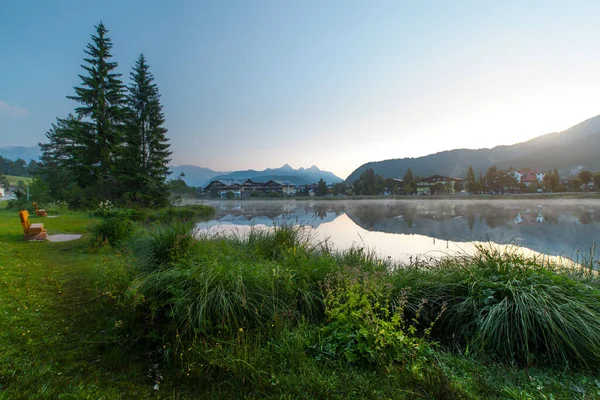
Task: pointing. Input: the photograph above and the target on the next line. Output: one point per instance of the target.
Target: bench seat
(31, 231)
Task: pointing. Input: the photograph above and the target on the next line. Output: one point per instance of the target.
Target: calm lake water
(402, 229)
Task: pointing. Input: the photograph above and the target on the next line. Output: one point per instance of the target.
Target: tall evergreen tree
(100, 114)
(146, 151)
(408, 177)
(470, 180)
(59, 156)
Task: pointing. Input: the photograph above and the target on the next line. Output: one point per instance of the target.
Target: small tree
(4, 183)
(550, 182)
(321, 188)
(470, 184)
(585, 177)
(597, 181)
(408, 177)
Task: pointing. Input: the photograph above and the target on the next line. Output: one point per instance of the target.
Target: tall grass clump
(163, 245)
(214, 286)
(283, 240)
(521, 310)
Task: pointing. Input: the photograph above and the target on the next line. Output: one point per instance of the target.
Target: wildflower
(241, 330)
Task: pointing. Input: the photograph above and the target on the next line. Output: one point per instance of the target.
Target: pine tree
(470, 180)
(144, 166)
(408, 177)
(100, 115)
(59, 156)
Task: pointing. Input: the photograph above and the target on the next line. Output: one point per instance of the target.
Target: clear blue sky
(256, 84)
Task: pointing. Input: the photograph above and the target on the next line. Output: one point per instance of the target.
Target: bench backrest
(24, 216)
(36, 207)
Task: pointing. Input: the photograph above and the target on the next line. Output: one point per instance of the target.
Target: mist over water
(402, 229)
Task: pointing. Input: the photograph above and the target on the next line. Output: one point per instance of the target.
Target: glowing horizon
(255, 85)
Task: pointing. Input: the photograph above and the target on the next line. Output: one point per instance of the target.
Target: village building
(528, 176)
(245, 188)
(437, 184)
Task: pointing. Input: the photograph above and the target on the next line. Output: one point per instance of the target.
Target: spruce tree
(144, 166)
(100, 114)
(59, 157)
(470, 179)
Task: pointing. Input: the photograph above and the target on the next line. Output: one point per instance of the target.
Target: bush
(114, 229)
(366, 323)
(20, 202)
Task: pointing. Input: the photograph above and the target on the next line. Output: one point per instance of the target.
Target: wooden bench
(40, 213)
(32, 231)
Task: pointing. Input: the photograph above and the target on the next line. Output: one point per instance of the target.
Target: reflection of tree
(408, 218)
(585, 217)
(550, 218)
(471, 220)
(491, 219)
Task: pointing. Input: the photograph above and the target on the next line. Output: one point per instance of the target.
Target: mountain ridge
(308, 175)
(569, 151)
(199, 176)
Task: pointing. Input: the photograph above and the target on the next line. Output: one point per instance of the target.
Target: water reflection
(412, 227)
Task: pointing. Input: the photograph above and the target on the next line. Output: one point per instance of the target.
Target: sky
(333, 83)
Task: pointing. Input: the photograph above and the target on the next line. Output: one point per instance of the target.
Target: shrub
(366, 324)
(114, 229)
(20, 202)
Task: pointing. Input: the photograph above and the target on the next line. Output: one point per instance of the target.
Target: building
(528, 176)
(437, 184)
(245, 188)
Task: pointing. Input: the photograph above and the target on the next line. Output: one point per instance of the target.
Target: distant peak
(286, 166)
(314, 168)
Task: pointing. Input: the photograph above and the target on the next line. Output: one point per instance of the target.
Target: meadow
(139, 307)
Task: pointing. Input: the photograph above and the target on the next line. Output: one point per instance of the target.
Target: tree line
(113, 146)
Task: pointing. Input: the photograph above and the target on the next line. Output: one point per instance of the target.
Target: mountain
(297, 176)
(569, 151)
(25, 153)
(193, 175)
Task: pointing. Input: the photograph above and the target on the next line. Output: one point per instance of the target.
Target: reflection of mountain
(549, 227)
(550, 230)
(273, 212)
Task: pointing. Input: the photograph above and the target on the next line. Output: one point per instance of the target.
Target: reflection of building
(245, 188)
(436, 184)
(529, 218)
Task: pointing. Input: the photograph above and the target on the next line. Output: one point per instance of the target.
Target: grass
(518, 309)
(14, 180)
(230, 318)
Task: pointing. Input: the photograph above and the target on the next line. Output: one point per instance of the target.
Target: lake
(405, 229)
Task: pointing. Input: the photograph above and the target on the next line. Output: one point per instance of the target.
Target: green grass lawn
(59, 317)
(13, 180)
(67, 331)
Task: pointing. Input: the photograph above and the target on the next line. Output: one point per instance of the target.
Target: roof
(439, 178)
